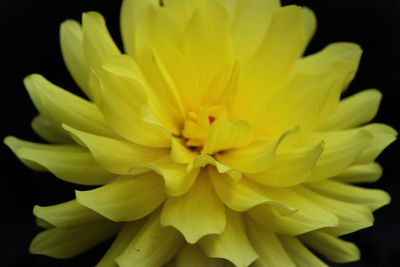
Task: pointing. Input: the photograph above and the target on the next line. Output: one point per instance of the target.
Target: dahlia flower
(211, 139)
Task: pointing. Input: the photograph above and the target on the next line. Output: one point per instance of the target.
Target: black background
(29, 42)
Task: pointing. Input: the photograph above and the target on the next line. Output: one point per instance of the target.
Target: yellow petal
(48, 131)
(352, 216)
(145, 249)
(204, 160)
(62, 244)
(193, 256)
(177, 179)
(367, 173)
(116, 156)
(333, 248)
(255, 157)
(353, 111)
(225, 135)
(207, 43)
(97, 42)
(310, 24)
(340, 150)
(383, 136)
(60, 106)
(291, 167)
(268, 246)
(121, 82)
(372, 198)
(242, 195)
(124, 238)
(250, 23)
(67, 215)
(299, 253)
(232, 244)
(68, 162)
(71, 41)
(181, 153)
(197, 213)
(309, 216)
(126, 198)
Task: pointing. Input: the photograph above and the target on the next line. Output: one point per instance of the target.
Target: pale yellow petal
(372, 198)
(291, 167)
(268, 246)
(232, 244)
(352, 216)
(71, 42)
(309, 215)
(193, 256)
(367, 173)
(207, 44)
(154, 245)
(250, 23)
(128, 232)
(177, 179)
(70, 163)
(62, 244)
(383, 136)
(123, 95)
(353, 111)
(49, 131)
(310, 24)
(333, 248)
(225, 135)
(197, 213)
(299, 253)
(242, 195)
(67, 215)
(340, 150)
(114, 155)
(60, 106)
(126, 198)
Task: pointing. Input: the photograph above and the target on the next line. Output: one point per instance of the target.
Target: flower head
(211, 139)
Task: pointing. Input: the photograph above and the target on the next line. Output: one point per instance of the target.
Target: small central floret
(198, 123)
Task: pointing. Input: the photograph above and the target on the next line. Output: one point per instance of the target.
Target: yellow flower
(211, 139)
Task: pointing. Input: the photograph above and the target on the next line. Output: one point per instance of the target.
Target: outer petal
(126, 198)
(145, 249)
(62, 244)
(232, 244)
(48, 131)
(67, 215)
(353, 111)
(367, 173)
(124, 238)
(242, 195)
(299, 253)
(68, 162)
(60, 106)
(197, 213)
(268, 246)
(116, 156)
(71, 41)
(193, 256)
(332, 247)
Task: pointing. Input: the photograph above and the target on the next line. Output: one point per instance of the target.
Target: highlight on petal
(68, 162)
(63, 244)
(333, 248)
(232, 244)
(145, 249)
(67, 215)
(197, 213)
(125, 198)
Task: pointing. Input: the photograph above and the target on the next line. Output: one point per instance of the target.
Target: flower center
(199, 122)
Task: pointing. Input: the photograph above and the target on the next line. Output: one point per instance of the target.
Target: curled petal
(197, 213)
(366, 173)
(126, 198)
(192, 255)
(49, 132)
